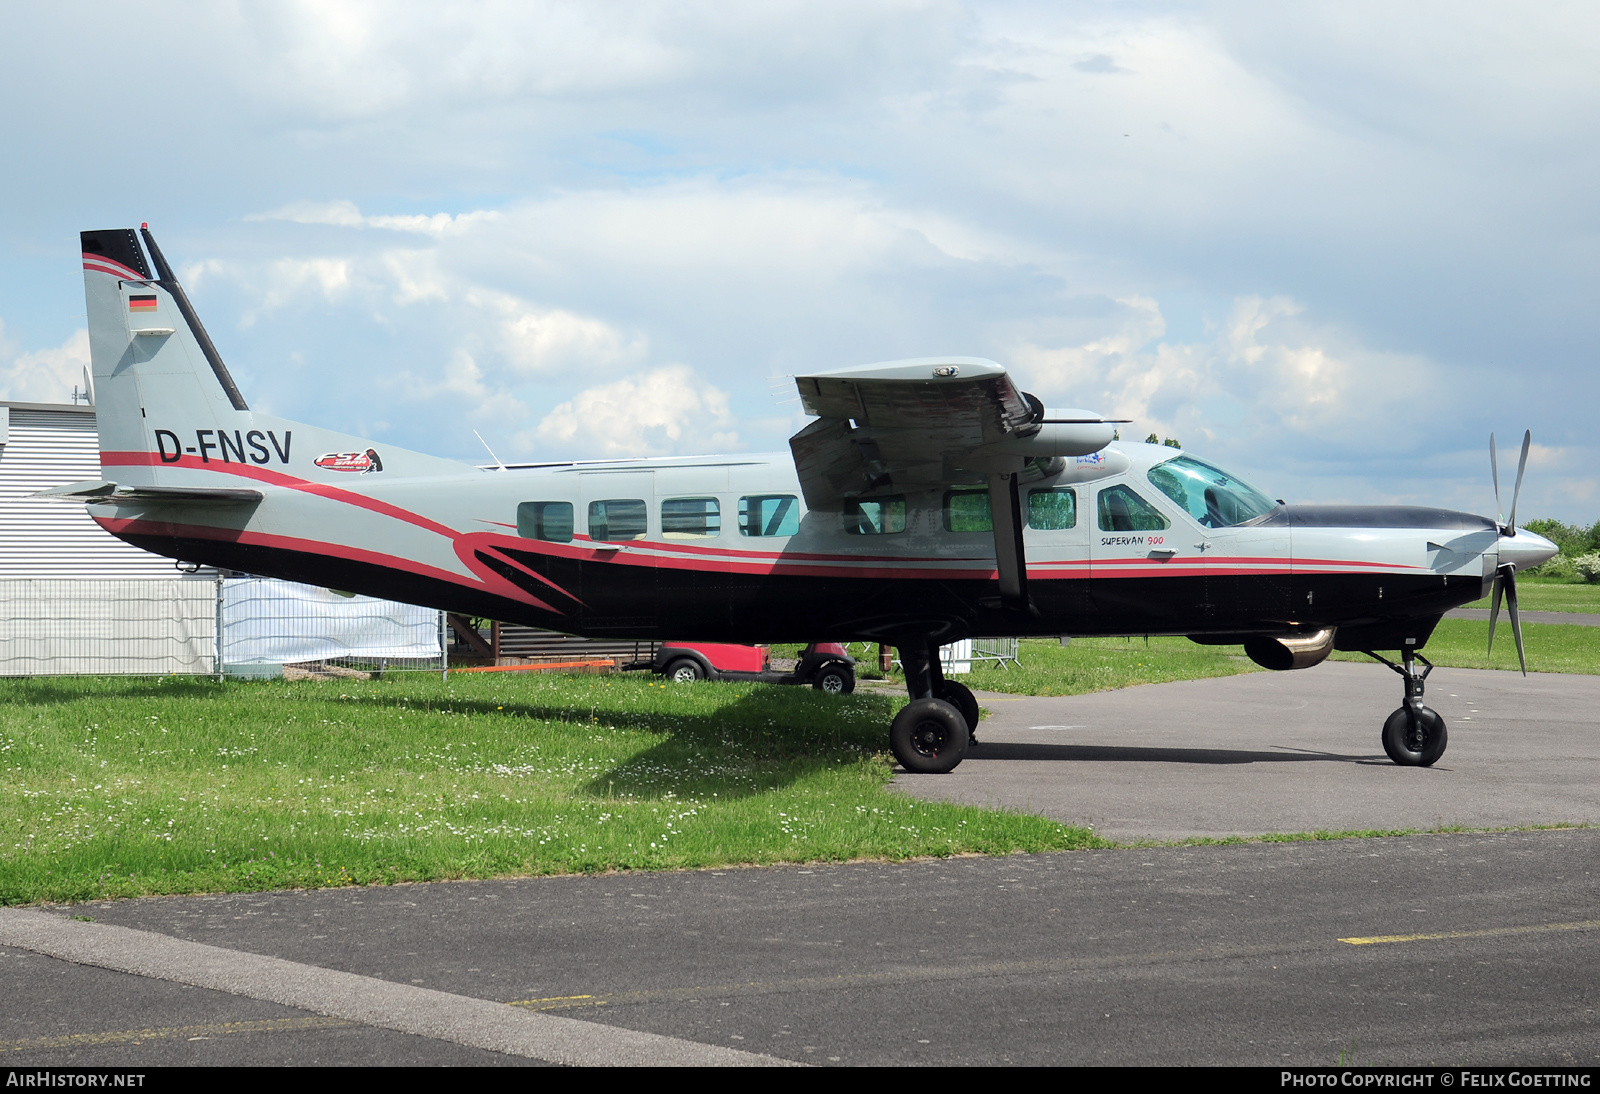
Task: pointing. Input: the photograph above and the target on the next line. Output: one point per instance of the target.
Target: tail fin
(159, 384)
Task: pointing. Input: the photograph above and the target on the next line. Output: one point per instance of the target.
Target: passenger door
(1147, 570)
(618, 578)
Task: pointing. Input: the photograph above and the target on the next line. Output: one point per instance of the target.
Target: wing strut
(1010, 559)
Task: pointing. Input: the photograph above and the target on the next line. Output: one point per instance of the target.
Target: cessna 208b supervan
(930, 501)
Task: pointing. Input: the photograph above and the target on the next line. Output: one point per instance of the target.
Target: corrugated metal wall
(56, 539)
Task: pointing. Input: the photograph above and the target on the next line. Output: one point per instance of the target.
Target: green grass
(128, 786)
(1547, 595)
(1551, 647)
(1101, 664)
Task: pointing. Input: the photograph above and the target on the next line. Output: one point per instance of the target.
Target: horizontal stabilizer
(109, 492)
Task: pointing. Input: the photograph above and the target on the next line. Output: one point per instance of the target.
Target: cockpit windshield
(1210, 495)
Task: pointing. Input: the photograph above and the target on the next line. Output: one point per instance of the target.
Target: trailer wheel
(685, 670)
(835, 679)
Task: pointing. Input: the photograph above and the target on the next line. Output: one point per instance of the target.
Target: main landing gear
(931, 734)
(1414, 735)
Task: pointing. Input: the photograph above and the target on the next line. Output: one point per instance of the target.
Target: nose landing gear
(1414, 735)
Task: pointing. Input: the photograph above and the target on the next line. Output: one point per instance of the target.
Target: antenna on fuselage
(497, 464)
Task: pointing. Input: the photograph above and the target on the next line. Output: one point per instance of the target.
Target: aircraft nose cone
(1526, 549)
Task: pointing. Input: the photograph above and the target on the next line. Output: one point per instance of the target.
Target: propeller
(1505, 575)
(1509, 528)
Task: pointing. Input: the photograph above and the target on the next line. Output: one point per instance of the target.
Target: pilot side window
(618, 519)
(769, 515)
(967, 511)
(875, 516)
(1054, 509)
(547, 520)
(1121, 510)
(690, 518)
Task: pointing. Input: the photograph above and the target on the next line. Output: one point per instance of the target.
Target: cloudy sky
(1330, 246)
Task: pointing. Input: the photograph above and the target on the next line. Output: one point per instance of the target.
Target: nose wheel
(1414, 735)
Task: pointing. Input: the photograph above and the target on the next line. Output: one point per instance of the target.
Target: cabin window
(1054, 509)
(690, 518)
(769, 515)
(618, 519)
(1209, 494)
(547, 520)
(875, 516)
(1121, 510)
(967, 511)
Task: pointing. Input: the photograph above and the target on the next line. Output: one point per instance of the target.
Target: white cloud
(46, 375)
(1267, 386)
(462, 380)
(545, 339)
(346, 214)
(667, 410)
(281, 282)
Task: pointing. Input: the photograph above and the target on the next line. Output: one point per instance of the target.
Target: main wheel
(960, 696)
(685, 670)
(1414, 741)
(835, 679)
(928, 736)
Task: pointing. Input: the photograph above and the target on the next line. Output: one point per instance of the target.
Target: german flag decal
(141, 303)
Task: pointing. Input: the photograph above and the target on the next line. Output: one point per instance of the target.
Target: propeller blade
(1516, 622)
(1494, 607)
(1494, 472)
(1522, 465)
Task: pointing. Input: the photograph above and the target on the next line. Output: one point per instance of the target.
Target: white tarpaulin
(270, 622)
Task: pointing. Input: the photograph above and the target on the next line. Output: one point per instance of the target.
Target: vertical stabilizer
(144, 353)
(168, 411)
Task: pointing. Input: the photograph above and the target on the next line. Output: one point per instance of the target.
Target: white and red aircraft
(930, 501)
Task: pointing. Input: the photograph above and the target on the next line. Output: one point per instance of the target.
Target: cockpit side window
(1209, 494)
(1121, 510)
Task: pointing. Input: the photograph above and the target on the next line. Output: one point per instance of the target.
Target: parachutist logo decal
(363, 463)
(1092, 458)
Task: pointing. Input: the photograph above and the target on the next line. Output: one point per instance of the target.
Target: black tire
(960, 696)
(835, 679)
(928, 736)
(1417, 745)
(685, 670)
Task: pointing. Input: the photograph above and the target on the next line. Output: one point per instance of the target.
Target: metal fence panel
(106, 627)
(270, 622)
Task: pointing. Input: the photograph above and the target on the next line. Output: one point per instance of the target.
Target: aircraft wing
(932, 422)
(926, 422)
